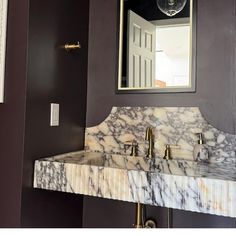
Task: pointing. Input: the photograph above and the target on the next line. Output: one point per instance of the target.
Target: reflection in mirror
(157, 52)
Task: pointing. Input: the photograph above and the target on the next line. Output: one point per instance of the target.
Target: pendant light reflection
(171, 7)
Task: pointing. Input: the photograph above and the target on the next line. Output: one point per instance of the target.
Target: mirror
(157, 52)
(3, 36)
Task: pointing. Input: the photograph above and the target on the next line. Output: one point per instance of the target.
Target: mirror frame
(193, 54)
(3, 42)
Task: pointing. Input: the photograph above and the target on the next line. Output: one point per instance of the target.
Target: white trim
(3, 35)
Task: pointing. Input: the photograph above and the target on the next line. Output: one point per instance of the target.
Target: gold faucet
(139, 216)
(150, 139)
(167, 155)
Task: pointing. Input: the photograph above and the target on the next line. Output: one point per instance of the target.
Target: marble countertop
(179, 184)
(221, 171)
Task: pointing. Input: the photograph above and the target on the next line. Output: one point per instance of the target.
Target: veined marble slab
(176, 126)
(178, 184)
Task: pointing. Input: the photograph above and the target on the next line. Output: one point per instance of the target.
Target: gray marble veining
(176, 126)
(179, 184)
(105, 170)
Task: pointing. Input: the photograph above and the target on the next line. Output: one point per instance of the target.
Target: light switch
(54, 117)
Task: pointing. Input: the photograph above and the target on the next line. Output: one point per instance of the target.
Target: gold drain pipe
(139, 215)
(149, 223)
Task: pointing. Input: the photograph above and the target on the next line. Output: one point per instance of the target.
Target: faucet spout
(150, 139)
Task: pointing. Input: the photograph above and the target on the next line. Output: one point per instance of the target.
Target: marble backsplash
(176, 126)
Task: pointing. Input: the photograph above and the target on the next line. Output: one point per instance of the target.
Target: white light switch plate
(54, 117)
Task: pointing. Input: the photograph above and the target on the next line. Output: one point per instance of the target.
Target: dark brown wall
(54, 76)
(103, 213)
(12, 114)
(215, 95)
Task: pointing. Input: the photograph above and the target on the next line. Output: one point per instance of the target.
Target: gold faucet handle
(167, 155)
(168, 152)
(133, 144)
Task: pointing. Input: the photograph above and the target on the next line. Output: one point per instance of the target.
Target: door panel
(141, 38)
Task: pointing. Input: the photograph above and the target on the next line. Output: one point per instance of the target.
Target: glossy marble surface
(106, 170)
(176, 126)
(180, 184)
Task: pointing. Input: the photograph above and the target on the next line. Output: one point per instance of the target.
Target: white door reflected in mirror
(156, 51)
(140, 52)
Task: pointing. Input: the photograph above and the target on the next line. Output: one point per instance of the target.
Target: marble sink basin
(155, 165)
(180, 184)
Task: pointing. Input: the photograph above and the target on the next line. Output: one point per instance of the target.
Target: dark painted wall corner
(12, 114)
(54, 76)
